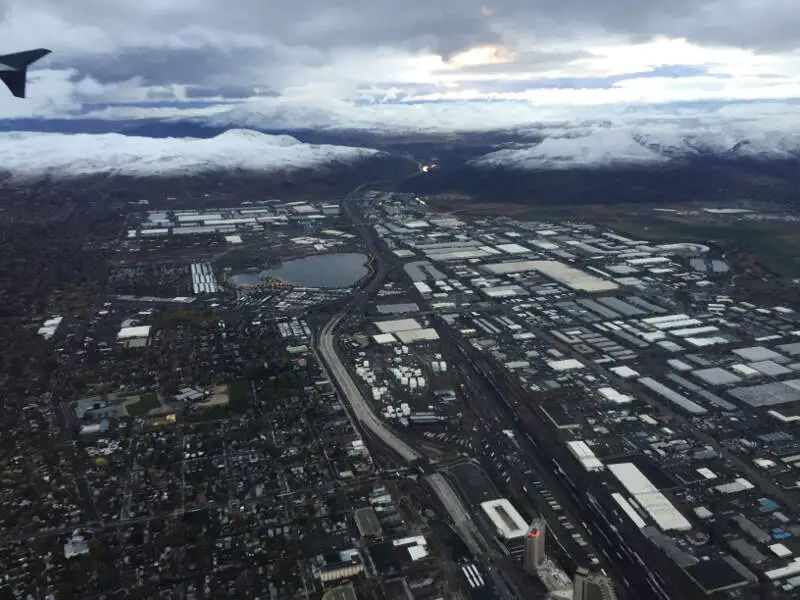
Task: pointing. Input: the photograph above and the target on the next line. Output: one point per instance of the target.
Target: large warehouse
(573, 278)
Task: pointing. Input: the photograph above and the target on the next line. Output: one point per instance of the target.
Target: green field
(774, 244)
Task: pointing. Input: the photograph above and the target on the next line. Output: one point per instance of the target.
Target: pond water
(319, 271)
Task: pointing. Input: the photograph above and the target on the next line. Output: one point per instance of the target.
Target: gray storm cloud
(451, 26)
(215, 45)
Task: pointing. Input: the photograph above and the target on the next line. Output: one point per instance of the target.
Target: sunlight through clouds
(546, 52)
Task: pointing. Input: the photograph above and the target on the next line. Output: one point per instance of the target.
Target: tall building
(592, 586)
(534, 546)
(512, 530)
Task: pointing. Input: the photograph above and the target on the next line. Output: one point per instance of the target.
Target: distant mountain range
(510, 134)
(31, 154)
(609, 145)
(489, 149)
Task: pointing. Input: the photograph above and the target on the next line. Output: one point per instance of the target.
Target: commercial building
(369, 526)
(345, 564)
(535, 552)
(648, 496)
(574, 279)
(511, 528)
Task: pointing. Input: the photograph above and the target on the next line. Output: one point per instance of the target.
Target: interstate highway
(351, 392)
(326, 346)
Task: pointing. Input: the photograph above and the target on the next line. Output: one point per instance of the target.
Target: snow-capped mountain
(554, 137)
(522, 136)
(610, 144)
(38, 154)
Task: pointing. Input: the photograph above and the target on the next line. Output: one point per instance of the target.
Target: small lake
(320, 271)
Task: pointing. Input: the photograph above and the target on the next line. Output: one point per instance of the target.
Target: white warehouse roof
(568, 364)
(660, 509)
(513, 249)
(656, 321)
(585, 455)
(615, 396)
(505, 518)
(422, 287)
(628, 510)
(397, 325)
(417, 335)
(624, 372)
(128, 333)
(571, 277)
(505, 291)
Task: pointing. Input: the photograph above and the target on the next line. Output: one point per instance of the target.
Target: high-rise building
(534, 546)
(510, 526)
(592, 586)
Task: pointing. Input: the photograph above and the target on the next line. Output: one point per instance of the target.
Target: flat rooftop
(344, 592)
(573, 278)
(367, 522)
(397, 325)
(717, 574)
(769, 394)
(505, 517)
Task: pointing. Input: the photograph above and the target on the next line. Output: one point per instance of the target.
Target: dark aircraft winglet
(14, 69)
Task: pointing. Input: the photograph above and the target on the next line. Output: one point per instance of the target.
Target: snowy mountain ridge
(28, 154)
(650, 144)
(539, 138)
(554, 137)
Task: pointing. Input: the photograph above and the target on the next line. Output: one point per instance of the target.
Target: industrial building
(623, 346)
(573, 278)
(203, 280)
(652, 501)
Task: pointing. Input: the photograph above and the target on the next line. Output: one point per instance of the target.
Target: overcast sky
(188, 54)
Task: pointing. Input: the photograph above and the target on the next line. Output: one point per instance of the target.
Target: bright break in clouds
(192, 53)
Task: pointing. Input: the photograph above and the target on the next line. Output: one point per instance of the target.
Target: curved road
(355, 398)
(327, 351)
